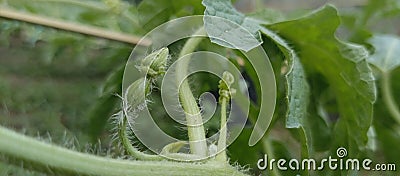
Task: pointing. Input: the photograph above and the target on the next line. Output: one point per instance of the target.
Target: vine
(197, 141)
(52, 159)
(57, 160)
(283, 63)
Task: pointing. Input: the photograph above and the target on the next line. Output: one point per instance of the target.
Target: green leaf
(387, 52)
(344, 67)
(267, 16)
(153, 13)
(297, 94)
(105, 104)
(228, 27)
(297, 89)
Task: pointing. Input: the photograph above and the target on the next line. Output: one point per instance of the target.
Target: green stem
(388, 96)
(225, 94)
(196, 133)
(53, 159)
(131, 150)
(222, 135)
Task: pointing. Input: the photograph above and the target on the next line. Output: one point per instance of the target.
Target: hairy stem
(225, 94)
(222, 133)
(131, 150)
(388, 96)
(197, 141)
(53, 159)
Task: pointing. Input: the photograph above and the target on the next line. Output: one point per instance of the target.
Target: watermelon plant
(250, 93)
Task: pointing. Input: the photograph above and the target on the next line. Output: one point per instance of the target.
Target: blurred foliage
(58, 82)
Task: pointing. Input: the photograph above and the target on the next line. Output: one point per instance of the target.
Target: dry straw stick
(73, 27)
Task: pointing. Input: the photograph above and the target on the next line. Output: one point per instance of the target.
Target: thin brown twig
(73, 27)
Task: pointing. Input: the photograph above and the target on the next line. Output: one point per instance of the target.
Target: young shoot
(225, 94)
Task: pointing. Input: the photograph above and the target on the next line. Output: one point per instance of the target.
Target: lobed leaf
(298, 94)
(344, 67)
(233, 29)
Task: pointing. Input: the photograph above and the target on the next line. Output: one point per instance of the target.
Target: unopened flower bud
(224, 86)
(155, 63)
(136, 93)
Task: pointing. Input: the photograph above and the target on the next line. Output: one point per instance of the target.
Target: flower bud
(155, 63)
(224, 86)
(136, 93)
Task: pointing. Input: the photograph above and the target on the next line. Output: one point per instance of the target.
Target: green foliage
(298, 93)
(154, 13)
(239, 32)
(344, 68)
(327, 97)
